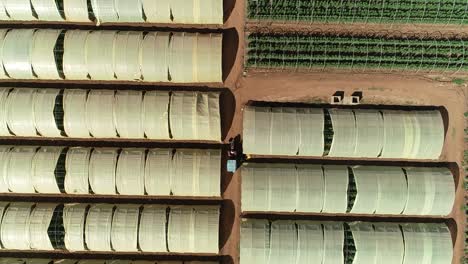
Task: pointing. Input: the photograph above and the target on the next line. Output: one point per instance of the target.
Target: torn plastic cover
(101, 125)
(39, 223)
(158, 172)
(17, 53)
(128, 114)
(157, 11)
(310, 243)
(254, 241)
(369, 133)
(14, 231)
(44, 119)
(333, 242)
(77, 170)
(126, 53)
(20, 112)
(47, 10)
(344, 137)
(390, 245)
(105, 11)
(366, 189)
(311, 126)
(74, 224)
(154, 55)
(365, 243)
(19, 9)
(3, 111)
(129, 11)
(284, 131)
(74, 118)
(100, 54)
(283, 242)
(76, 10)
(75, 66)
(98, 227)
(43, 167)
(310, 188)
(152, 231)
(19, 173)
(156, 114)
(125, 228)
(335, 192)
(392, 190)
(43, 57)
(130, 172)
(102, 166)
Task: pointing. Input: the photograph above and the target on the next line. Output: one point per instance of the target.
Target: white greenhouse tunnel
(111, 55)
(114, 11)
(95, 261)
(32, 112)
(108, 227)
(285, 241)
(361, 133)
(309, 188)
(111, 171)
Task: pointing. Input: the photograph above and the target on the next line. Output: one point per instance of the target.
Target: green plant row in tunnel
(384, 11)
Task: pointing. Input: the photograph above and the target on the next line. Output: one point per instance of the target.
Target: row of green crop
(386, 11)
(307, 51)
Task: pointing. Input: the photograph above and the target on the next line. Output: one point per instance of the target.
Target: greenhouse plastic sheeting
(76, 10)
(100, 54)
(75, 66)
(126, 53)
(255, 187)
(365, 243)
(105, 11)
(130, 172)
(442, 250)
(98, 227)
(180, 229)
(335, 191)
(418, 244)
(394, 134)
(74, 117)
(129, 11)
(311, 125)
(283, 242)
(3, 14)
(20, 112)
(209, 56)
(284, 131)
(124, 233)
(209, 173)
(43, 55)
(14, 231)
(19, 173)
(3, 33)
(208, 117)
(39, 222)
(156, 114)
(205, 229)
(157, 11)
(183, 11)
(256, 130)
(333, 242)
(390, 244)
(43, 167)
(74, 224)
(254, 241)
(210, 12)
(344, 137)
(181, 57)
(392, 190)
(44, 119)
(366, 189)
(152, 231)
(17, 53)
(102, 166)
(19, 9)
(309, 242)
(4, 156)
(3, 111)
(282, 187)
(77, 170)
(369, 133)
(158, 172)
(432, 134)
(431, 191)
(47, 10)
(128, 114)
(102, 102)
(154, 54)
(310, 188)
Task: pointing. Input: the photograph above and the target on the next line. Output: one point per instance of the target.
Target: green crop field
(378, 11)
(312, 51)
